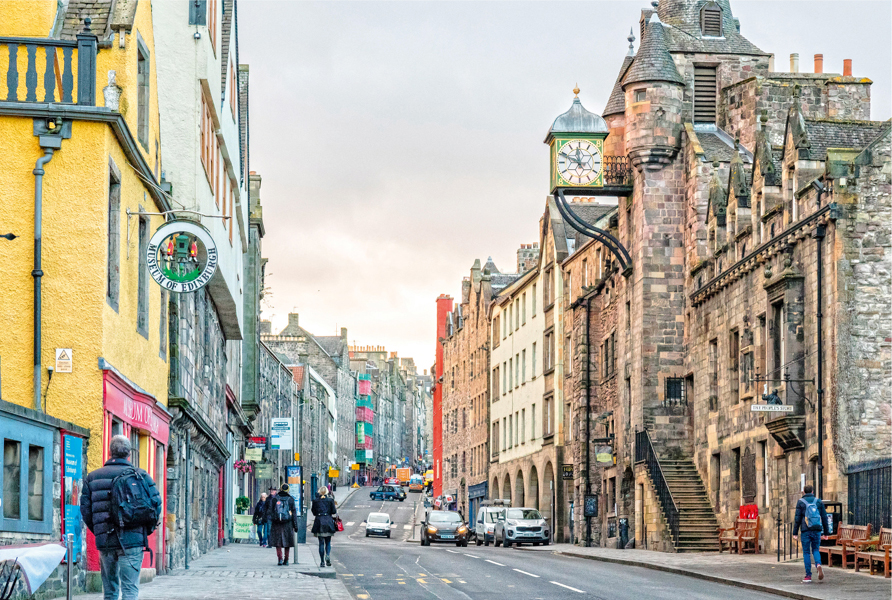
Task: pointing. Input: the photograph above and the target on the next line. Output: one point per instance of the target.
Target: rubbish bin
(834, 519)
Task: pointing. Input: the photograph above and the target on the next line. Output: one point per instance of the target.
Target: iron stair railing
(645, 453)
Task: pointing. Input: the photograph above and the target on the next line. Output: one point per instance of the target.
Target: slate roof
(591, 213)
(332, 344)
(491, 266)
(616, 104)
(99, 11)
(684, 34)
(715, 147)
(653, 61)
(831, 133)
(228, 7)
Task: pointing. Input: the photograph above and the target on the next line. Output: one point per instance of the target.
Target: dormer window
(711, 20)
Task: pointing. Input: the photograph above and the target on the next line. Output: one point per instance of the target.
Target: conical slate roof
(653, 62)
(617, 102)
(578, 120)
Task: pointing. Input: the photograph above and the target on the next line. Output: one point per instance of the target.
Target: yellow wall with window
(75, 313)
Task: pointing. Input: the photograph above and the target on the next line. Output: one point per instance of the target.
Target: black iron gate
(870, 497)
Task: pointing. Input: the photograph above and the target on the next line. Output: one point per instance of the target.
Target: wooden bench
(845, 538)
(745, 531)
(880, 555)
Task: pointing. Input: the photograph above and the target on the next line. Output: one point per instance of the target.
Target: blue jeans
(324, 547)
(263, 532)
(120, 566)
(811, 541)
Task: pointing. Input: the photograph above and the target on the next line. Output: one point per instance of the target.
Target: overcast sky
(400, 141)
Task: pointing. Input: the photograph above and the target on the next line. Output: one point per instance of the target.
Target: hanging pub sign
(566, 471)
(604, 454)
(181, 256)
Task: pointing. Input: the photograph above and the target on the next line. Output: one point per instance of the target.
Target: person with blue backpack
(121, 506)
(811, 519)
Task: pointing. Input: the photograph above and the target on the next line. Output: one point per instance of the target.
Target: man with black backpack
(811, 518)
(121, 506)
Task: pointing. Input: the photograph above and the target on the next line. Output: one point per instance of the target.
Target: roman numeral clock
(576, 140)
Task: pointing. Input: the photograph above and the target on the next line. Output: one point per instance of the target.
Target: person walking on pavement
(282, 513)
(261, 521)
(121, 536)
(324, 527)
(811, 518)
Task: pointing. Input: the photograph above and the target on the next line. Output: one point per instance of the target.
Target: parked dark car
(388, 492)
(444, 526)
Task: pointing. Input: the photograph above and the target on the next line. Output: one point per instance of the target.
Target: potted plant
(241, 505)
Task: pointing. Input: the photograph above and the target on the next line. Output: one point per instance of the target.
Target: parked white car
(377, 524)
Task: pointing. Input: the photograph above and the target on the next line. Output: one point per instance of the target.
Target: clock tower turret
(576, 139)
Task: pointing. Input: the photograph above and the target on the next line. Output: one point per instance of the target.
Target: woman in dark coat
(282, 513)
(324, 527)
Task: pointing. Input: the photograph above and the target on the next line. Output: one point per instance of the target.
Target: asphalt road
(393, 569)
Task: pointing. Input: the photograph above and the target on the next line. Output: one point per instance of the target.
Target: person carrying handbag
(326, 523)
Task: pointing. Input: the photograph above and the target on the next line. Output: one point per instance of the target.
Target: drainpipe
(820, 231)
(188, 495)
(588, 418)
(49, 145)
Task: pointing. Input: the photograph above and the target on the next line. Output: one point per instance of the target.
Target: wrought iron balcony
(50, 71)
(617, 171)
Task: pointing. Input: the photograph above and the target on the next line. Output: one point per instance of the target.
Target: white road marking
(525, 573)
(568, 587)
(407, 527)
(495, 563)
(472, 556)
(453, 551)
(350, 523)
(393, 525)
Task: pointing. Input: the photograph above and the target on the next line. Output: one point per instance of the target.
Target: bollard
(69, 546)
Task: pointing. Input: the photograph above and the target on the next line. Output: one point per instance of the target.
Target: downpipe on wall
(49, 145)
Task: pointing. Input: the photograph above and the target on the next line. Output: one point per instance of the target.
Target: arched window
(711, 20)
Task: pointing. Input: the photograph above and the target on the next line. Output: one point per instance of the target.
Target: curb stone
(676, 571)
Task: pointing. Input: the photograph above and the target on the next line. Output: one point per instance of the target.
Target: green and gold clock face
(578, 162)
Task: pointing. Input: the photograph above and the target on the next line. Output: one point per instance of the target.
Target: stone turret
(654, 96)
(615, 109)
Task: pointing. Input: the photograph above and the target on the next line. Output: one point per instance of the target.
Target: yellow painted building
(98, 301)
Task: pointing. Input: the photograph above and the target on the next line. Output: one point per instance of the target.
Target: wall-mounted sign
(591, 506)
(73, 449)
(254, 454)
(566, 471)
(604, 454)
(64, 360)
(280, 436)
(263, 471)
(771, 408)
(181, 256)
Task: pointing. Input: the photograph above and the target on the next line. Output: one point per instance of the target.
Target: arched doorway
(548, 492)
(533, 495)
(506, 489)
(494, 489)
(518, 489)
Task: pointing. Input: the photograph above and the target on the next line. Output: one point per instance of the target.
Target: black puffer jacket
(96, 507)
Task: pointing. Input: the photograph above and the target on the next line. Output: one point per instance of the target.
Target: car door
(388, 492)
(480, 526)
(379, 494)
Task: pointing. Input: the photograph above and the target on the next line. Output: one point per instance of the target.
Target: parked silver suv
(521, 526)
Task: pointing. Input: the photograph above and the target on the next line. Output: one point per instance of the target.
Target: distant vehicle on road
(429, 480)
(485, 525)
(377, 524)
(391, 481)
(403, 474)
(444, 526)
(388, 492)
(416, 483)
(520, 526)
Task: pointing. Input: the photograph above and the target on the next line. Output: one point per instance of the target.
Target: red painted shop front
(146, 423)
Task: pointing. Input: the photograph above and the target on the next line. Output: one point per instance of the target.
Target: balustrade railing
(48, 70)
(617, 170)
(644, 452)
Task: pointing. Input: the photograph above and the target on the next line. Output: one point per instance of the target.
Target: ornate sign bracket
(577, 223)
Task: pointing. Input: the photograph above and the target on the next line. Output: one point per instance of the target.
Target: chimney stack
(847, 67)
(794, 62)
(819, 63)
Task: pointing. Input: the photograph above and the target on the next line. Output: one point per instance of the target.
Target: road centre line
(453, 551)
(472, 556)
(525, 573)
(568, 587)
(494, 562)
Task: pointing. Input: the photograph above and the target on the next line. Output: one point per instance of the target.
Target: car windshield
(523, 513)
(490, 516)
(442, 516)
(378, 518)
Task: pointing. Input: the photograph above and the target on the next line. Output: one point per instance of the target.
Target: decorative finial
(764, 118)
(631, 39)
(87, 23)
(576, 90)
(655, 4)
(737, 143)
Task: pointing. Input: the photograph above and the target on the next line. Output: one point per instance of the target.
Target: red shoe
(806, 579)
(820, 573)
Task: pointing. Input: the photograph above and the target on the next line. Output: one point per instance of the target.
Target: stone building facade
(758, 230)
(465, 389)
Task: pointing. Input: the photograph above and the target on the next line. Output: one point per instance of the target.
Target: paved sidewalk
(760, 572)
(236, 572)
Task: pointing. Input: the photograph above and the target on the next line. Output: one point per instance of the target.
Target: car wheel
(506, 543)
(479, 542)
(458, 544)
(464, 544)
(486, 542)
(546, 542)
(402, 499)
(496, 542)
(367, 534)
(535, 543)
(388, 534)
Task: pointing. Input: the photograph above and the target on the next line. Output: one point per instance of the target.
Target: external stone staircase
(697, 528)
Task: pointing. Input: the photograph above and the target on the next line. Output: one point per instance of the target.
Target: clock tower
(576, 139)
